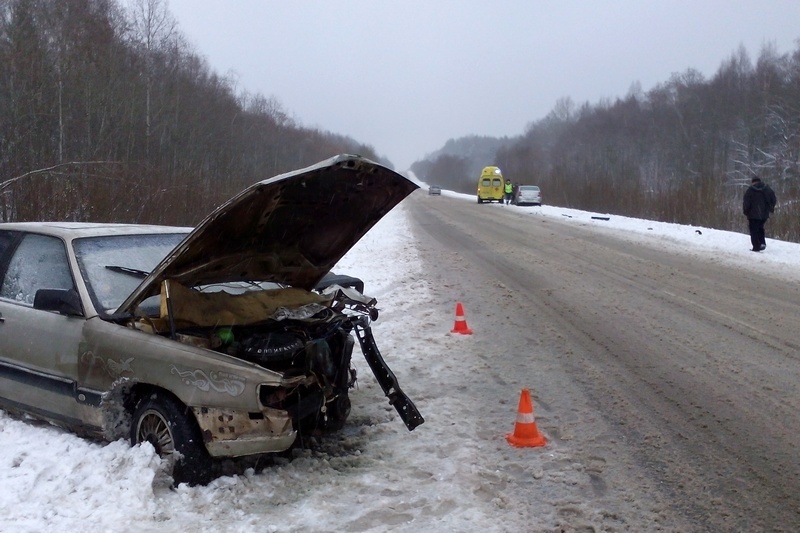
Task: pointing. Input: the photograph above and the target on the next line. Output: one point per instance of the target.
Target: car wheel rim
(154, 428)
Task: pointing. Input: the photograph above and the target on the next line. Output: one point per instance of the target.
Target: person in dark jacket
(759, 202)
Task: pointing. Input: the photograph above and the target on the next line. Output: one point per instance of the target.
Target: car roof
(76, 230)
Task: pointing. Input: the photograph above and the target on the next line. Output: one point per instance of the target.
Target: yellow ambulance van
(490, 185)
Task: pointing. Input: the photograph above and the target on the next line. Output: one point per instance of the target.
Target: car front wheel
(169, 427)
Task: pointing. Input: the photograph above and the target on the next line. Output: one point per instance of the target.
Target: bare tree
(153, 26)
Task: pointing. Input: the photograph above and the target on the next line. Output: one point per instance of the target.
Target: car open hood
(290, 229)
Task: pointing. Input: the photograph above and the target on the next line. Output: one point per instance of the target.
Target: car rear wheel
(172, 431)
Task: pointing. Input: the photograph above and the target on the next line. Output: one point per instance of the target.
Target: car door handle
(2, 319)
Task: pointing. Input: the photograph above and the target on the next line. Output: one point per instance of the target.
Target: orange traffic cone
(526, 434)
(461, 323)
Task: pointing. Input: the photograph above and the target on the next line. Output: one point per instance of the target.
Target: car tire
(172, 430)
(270, 348)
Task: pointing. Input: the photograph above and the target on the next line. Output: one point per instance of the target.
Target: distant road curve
(695, 366)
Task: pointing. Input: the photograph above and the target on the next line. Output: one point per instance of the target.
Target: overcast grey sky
(406, 76)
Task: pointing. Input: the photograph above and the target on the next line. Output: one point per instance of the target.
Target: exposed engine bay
(304, 336)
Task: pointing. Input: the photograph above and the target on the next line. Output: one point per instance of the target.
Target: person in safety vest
(508, 189)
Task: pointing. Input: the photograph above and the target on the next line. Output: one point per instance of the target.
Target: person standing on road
(759, 202)
(508, 190)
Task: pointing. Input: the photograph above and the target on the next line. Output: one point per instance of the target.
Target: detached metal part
(386, 378)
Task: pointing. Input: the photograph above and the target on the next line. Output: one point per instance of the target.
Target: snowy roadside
(780, 259)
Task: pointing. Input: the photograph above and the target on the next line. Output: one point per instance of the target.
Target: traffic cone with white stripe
(461, 323)
(526, 434)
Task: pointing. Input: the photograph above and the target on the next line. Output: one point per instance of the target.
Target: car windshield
(113, 266)
(529, 188)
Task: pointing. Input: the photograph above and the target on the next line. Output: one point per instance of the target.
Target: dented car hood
(289, 229)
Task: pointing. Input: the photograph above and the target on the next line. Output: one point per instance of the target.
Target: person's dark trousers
(757, 232)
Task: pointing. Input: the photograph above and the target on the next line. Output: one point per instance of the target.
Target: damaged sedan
(223, 341)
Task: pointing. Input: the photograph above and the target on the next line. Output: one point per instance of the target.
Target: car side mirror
(63, 301)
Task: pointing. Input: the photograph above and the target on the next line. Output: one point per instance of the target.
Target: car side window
(39, 262)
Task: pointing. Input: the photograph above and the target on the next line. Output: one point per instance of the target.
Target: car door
(38, 349)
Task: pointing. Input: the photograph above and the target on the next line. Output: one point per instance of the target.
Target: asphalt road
(675, 376)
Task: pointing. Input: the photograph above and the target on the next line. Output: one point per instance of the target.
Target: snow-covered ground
(375, 476)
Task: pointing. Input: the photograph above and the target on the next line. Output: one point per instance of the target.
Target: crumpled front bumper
(230, 433)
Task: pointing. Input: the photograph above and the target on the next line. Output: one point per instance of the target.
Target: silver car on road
(528, 195)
